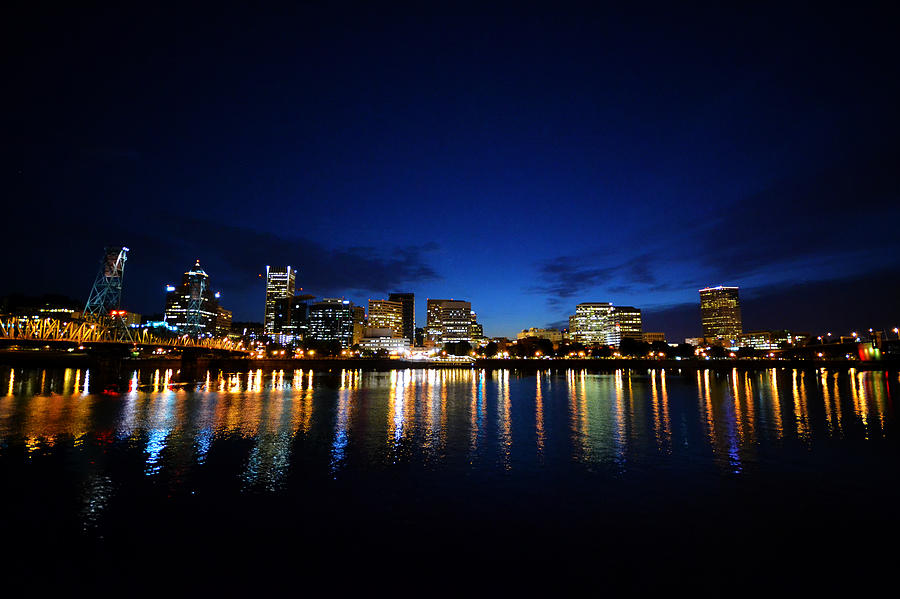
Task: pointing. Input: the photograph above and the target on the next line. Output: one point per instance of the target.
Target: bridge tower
(106, 294)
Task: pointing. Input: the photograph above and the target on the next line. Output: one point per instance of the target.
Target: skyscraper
(280, 283)
(592, 323)
(332, 320)
(358, 316)
(223, 322)
(409, 314)
(192, 307)
(448, 321)
(720, 313)
(626, 324)
(291, 318)
(386, 314)
(603, 323)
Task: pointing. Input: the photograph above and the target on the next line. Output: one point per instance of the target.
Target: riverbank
(50, 359)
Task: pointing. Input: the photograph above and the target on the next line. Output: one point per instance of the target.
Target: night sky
(523, 162)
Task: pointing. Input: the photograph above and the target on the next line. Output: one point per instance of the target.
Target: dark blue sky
(524, 162)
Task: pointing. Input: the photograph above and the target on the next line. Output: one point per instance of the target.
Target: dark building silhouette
(409, 314)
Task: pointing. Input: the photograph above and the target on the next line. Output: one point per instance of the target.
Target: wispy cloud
(813, 226)
(828, 213)
(322, 269)
(564, 277)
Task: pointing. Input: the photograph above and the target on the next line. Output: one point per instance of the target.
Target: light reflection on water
(452, 420)
(608, 413)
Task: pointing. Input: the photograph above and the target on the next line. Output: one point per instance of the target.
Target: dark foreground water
(453, 476)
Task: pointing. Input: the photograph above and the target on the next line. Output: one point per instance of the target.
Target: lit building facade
(604, 324)
(280, 284)
(386, 314)
(223, 322)
(408, 300)
(720, 313)
(192, 307)
(332, 319)
(626, 324)
(385, 339)
(448, 321)
(772, 339)
(653, 337)
(358, 314)
(48, 306)
(553, 335)
(477, 331)
(592, 323)
(433, 327)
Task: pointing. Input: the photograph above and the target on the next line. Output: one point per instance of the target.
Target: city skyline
(524, 164)
(708, 316)
(435, 286)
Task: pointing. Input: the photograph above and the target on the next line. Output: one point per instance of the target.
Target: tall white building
(280, 284)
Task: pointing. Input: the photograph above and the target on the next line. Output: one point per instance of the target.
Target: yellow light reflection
(858, 396)
(664, 404)
(619, 418)
(539, 415)
(505, 422)
(776, 404)
(707, 410)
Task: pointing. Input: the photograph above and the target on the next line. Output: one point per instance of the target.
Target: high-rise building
(223, 322)
(386, 314)
(358, 314)
(604, 324)
(626, 322)
(720, 313)
(280, 284)
(433, 327)
(409, 314)
(332, 319)
(291, 318)
(448, 321)
(592, 323)
(192, 307)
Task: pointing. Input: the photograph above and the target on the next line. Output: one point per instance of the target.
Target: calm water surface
(451, 462)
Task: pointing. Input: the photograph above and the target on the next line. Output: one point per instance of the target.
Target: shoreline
(26, 359)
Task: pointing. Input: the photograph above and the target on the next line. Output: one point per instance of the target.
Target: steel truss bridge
(51, 331)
